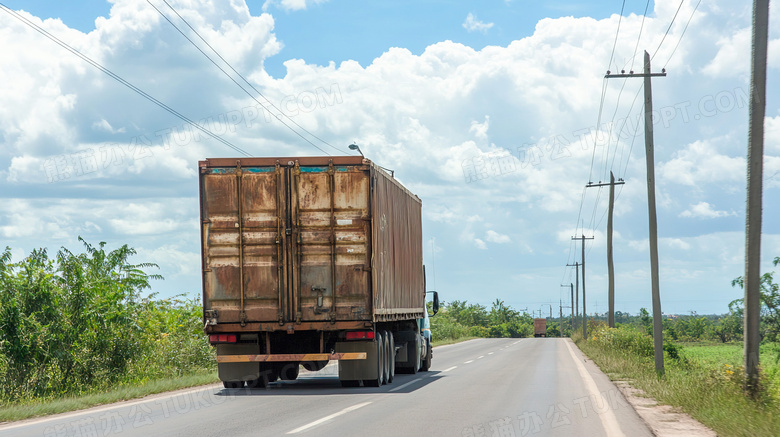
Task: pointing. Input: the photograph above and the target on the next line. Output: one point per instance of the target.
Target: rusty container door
(331, 225)
(285, 242)
(242, 212)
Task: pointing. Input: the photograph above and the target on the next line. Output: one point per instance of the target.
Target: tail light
(223, 338)
(360, 335)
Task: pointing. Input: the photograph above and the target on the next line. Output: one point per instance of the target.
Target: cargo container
(540, 327)
(308, 260)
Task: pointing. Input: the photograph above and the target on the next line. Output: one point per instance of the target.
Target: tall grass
(708, 390)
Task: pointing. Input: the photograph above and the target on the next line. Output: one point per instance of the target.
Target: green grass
(705, 383)
(63, 405)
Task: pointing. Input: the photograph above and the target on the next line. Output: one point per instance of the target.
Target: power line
(119, 78)
(614, 45)
(668, 29)
(242, 77)
(641, 27)
(683, 33)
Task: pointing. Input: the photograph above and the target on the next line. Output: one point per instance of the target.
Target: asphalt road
(486, 387)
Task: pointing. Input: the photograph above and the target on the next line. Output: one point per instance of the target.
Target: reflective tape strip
(291, 357)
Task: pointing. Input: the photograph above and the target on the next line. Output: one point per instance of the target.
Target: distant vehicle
(312, 259)
(540, 327)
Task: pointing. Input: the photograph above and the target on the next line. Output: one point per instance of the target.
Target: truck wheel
(386, 361)
(391, 357)
(428, 356)
(380, 358)
(315, 366)
(232, 384)
(416, 365)
(289, 371)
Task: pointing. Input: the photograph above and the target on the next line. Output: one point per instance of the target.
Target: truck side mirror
(435, 302)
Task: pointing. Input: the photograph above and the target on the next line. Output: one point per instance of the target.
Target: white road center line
(481, 356)
(608, 420)
(451, 368)
(491, 353)
(469, 361)
(327, 418)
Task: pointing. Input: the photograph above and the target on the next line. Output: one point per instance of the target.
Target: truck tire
(386, 361)
(416, 345)
(426, 365)
(314, 366)
(233, 384)
(288, 371)
(380, 360)
(391, 357)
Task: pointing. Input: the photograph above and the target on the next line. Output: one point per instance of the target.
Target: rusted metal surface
(291, 357)
(540, 327)
(316, 242)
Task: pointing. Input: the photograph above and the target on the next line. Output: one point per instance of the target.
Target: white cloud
(480, 129)
(705, 210)
(292, 5)
(472, 24)
(495, 237)
(480, 244)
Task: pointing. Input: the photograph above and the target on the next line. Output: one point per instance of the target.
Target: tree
(770, 304)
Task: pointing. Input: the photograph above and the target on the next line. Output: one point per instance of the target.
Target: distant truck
(540, 327)
(308, 260)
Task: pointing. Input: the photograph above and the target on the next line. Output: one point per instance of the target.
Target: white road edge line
(608, 420)
(327, 418)
(105, 407)
(451, 368)
(469, 361)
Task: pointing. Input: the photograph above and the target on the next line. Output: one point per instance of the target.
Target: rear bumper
(290, 357)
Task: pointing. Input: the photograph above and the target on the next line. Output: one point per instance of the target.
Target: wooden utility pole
(658, 340)
(560, 318)
(584, 312)
(755, 159)
(610, 264)
(576, 265)
(570, 287)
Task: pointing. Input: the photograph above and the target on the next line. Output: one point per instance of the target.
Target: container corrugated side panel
(398, 281)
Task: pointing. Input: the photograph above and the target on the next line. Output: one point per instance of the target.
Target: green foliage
(626, 338)
(770, 304)
(77, 324)
(459, 319)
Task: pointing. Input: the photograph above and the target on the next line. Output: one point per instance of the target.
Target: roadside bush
(625, 338)
(77, 324)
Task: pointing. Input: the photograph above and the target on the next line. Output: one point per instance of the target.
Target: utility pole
(610, 264)
(755, 170)
(576, 303)
(560, 317)
(584, 313)
(658, 341)
(571, 287)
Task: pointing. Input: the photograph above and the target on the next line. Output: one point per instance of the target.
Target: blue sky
(433, 90)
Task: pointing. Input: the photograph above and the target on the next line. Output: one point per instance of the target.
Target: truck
(309, 260)
(540, 327)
